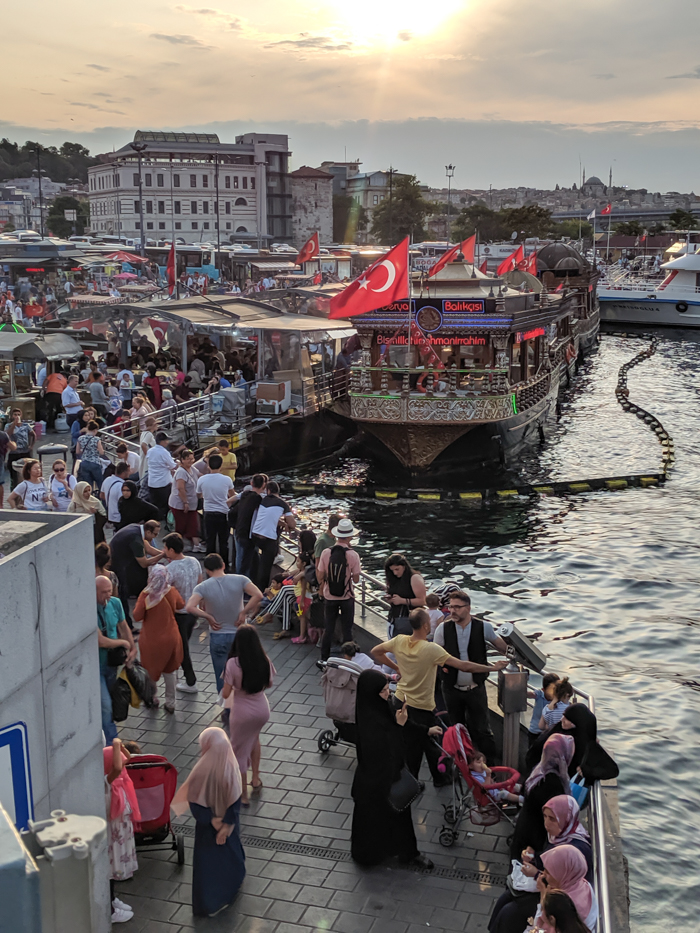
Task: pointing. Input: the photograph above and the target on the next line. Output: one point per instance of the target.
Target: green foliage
(656, 229)
(71, 160)
(403, 214)
(57, 223)
(349, 219)
(571, 228)
(629, 228)
(479, 217)
(682, 220)
(530, 220)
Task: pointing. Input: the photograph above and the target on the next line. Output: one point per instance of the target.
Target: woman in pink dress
(248, 674)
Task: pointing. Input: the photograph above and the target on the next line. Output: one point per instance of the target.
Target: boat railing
(321, 391)
(532, 391)
(649, 288)
(396, 380)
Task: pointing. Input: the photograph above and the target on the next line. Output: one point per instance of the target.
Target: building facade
(195, 188)
(312, 205)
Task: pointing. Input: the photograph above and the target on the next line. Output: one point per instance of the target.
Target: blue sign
(15, 774)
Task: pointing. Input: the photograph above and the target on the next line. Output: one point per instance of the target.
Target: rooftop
(150, 136)
(305, 171)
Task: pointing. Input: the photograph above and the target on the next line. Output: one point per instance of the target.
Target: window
(161, 207)
(136, 179)
(149, 225)
(161, 225)
(117, 181)
(177, 207)
(228, 207)
(193, 208)
(241, 229)
(375, 199)
(205, 226)
(194, 225)
(149, 207)
(241, 202)
(245, 181)
(149, 180)
(178, 225)
(137, 207)
(235, 181)
(252, 184)
(176, 181)
(205, 181)
(159, 181)
(228, 224)
(227, 181)
(205, 207)
(193, 181)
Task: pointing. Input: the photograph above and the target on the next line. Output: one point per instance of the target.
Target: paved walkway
(300, 877)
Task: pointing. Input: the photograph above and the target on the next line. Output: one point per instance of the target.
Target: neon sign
(401, 340)
(529, 334)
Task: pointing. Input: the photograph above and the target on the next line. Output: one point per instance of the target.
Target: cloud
(192, 41)
(688, 74)
(447, 57)
(78, 103)
(405, 35)
(233, 22)
(605, 77)
(99, 67)
(315, 43)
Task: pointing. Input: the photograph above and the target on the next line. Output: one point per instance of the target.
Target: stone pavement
(300, 877)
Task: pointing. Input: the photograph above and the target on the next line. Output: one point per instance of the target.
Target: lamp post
(450, 172)
(41, 204)
(139, 149)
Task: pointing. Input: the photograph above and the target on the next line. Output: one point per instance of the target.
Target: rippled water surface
(611, 580)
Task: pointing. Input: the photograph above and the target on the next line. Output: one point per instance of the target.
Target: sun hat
(344, 529)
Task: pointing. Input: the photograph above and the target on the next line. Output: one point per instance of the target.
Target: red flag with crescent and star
(159, 328)
(170, 269)
(308, 250)
(512, 262)
(484, 267)
(83, 325)
(466, 247)
(606, 210)
(383, 283)
(532, 264)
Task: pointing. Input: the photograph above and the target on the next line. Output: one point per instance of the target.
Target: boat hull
(654, 312)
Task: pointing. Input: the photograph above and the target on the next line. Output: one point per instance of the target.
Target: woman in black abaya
(578, 722)
(378, 831)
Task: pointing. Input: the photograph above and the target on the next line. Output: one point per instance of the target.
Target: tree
(349, 219)
(571, 228)
(479, 217)
(57, 223)
(403, 214)
(657, 228)
(682, 220)
(530, 220)
(70, 161)
(629, 228)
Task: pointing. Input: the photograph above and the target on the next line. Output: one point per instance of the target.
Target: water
(611, 582)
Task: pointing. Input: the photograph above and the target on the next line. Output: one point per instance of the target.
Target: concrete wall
(49, 669)
(312, 209)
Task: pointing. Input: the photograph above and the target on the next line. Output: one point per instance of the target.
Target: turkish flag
(466, 247)
(170, 269)
(606, 210)
(385, 282)
(560, 287)
(484, 267)
(83, 325)
(308, 250)
(532, 264)
(159, 328)
(512, 262)
(317, 279)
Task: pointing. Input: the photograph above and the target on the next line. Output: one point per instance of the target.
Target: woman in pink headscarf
(565, 870)
(160, 644)
(123, 817)
(549, 778)
(213, 794)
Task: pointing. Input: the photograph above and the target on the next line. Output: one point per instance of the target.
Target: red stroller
(483, 809)
(155, 780)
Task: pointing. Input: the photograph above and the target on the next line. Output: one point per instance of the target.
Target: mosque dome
(593, 180)
(561, 257)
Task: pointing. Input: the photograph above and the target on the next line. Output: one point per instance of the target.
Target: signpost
(15, 774)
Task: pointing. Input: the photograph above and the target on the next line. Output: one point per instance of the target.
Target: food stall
(18, 355)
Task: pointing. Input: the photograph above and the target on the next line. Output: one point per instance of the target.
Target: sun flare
(372, 22)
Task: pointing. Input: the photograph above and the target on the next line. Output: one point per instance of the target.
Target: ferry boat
(470, 368)
(671, 302)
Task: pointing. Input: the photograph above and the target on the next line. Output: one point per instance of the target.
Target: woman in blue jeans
(89, 449)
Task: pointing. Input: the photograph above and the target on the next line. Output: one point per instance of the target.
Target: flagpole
(607, 249)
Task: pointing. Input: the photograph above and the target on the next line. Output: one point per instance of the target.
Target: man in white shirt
(71, 401)
(184, 573)
(126, 456)
(264, 531)
(218, 493)
(112, 489)
(146, 441)
(161, 467)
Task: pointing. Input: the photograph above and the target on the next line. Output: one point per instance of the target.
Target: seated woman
(580, 724)
(559, 914)
(564, 869)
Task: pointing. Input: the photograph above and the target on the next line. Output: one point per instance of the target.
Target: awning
(281, 266)
(38, 347)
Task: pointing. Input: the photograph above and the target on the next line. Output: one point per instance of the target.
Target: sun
(388, 22)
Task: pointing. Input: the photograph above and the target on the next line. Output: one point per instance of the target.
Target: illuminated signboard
(529, 334)
(401, 340)
(444, 306)
(35, 269)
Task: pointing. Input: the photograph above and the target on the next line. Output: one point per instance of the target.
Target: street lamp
(450, 172)
(41, 205)
(139, 149)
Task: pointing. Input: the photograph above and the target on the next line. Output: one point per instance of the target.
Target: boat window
(531, 367)
(515, 362)
(477, 357)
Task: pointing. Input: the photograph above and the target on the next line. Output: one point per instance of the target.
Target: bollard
(512, 699)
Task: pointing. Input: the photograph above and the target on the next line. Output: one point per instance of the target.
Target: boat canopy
(36, 347)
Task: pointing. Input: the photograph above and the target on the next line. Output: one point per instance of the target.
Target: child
(555, 709)
(230, 464)
(481, 773)
(351, 652)
(269, 594)
(541, 698)
(432, 601)
(123, 816)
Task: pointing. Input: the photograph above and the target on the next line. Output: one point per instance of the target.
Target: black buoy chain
(668, 453)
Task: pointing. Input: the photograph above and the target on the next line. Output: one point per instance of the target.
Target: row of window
(227, 179)
(194, 226)
(194, 206)
(99, 182)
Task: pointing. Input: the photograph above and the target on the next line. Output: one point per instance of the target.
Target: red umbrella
(121, 256)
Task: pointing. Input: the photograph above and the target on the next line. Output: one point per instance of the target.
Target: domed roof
(593, 180)
(561, 257)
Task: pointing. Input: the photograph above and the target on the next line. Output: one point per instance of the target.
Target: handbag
(579, 790)
(403, 792)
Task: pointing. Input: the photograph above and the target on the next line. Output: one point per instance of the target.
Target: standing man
(53, 385)
(222, 596)
(71, 401)
(112, 632)
(327, 538)
(111, 490)
(147, 440)
(132, 554)
(416, 662)
(217, 491)
(464, 636)
(184, 573)
(161, 467)
(337, 571)
(22, 436)
(264, 530)
(246, 508)
(97, 392)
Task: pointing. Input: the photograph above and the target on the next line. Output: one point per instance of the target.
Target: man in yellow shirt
(417, 660)
(230, 460)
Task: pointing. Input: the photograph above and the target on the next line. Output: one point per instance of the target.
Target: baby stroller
(483, 809)
(155, 780)
(339, 691)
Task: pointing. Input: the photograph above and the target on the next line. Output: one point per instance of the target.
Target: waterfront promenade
(296, 834)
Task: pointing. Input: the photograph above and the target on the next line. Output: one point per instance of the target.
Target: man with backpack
(338, 570)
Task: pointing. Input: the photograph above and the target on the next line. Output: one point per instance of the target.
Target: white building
(194, 187)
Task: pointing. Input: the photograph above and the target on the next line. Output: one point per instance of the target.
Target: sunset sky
(513, 91)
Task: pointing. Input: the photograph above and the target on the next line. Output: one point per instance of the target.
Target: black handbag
(403, 792)
(120, 692)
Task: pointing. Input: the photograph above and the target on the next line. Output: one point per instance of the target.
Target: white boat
(671, 302)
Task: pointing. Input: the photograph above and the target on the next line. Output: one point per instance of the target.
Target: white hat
(344, 529)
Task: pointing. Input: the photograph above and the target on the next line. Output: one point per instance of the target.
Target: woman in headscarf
(564, 868)
(212, 792)
(134, 510)
(550, 778)
(378, 831)
(160, 643)
(579, 723)
(84, 502)
(123, 817)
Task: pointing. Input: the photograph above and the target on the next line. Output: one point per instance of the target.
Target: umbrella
(121, 256)
(126, 276)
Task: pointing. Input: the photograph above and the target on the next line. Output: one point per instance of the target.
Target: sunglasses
(60, 470)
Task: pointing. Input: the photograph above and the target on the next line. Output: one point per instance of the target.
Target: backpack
(337, 571)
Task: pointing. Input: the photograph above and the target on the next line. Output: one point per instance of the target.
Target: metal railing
(187, 419)
(383, 379)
